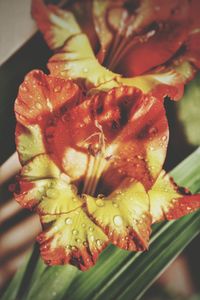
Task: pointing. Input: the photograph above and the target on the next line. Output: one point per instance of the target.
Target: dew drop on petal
(83, 225)
(68, 221)
(57, 89)
(164, 138)
(99, 202)
(92, 238)
(78, 241)
(140, 157)
(74, 248)
(38, 105)
(99, 243)
(100, 196)
(153, 130)
(117, 220)
(115, 205)
(75, 232)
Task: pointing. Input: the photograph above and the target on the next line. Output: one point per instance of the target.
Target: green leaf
(121, 274)
(188, 111)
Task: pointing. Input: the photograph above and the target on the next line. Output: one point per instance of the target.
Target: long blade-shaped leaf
(120, 274)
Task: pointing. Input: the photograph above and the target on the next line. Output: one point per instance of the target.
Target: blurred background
(23, 49)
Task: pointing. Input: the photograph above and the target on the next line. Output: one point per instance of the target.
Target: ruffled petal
(123, 216)
(71, 238)
(140, 136)
(41, 95)
(57, 25)
(101, 13)
(43, 187)
(29, 142)
(168, 202)
(78, 62)
(162, 84)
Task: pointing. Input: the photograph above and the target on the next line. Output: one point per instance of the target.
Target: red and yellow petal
(138, 149)
(43, 187)
(57, 25)
(71, 238)
(129, 129)
(168, 202)
(81, 66)
(29, 142)
(160, 85)
(41, 95)
(124, 215)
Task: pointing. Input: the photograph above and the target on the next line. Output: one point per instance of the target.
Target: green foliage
(188, 111)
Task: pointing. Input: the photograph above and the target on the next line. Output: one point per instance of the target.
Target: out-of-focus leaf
(188, 111)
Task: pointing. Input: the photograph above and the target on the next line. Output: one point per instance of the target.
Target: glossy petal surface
(71, 238)
(123, 215)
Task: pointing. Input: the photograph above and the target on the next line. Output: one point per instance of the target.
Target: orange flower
(92, 167)
(92, 143)
(128, 37)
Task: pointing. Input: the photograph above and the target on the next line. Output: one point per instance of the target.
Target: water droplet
(75, 232)
(99, 202)
(153, 130)
(68, 221)
(24, 88)
(74, 248)
(65, 118)
(91, 228)
(78, 241)
(85, 244)
(115, 205)
(83, 225)
(57, 89)
(92, 238)
(69, 247)
(117, 220)
(38, 105)
(100, 196)
(85, 70)
(164, 138)
(52, 193)
(140, 157)
(99, 243)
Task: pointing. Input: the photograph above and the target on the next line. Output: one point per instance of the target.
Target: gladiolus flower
(92, 143)
(92, 167)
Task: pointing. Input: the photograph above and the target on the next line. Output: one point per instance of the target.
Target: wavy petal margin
(168, 202)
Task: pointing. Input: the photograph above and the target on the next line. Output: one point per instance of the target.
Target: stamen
(96, 165)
